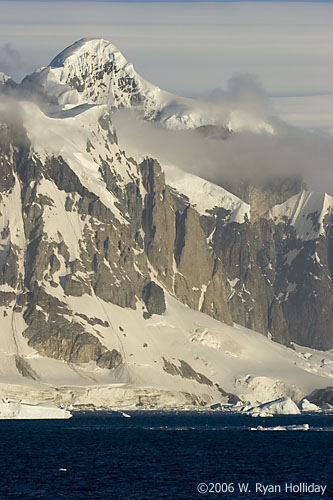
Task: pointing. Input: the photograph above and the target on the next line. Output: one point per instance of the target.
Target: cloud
(10, 59)
(11, 123)
(290, 151)
(244, 92)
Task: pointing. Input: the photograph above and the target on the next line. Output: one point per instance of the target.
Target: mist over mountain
(157, 249)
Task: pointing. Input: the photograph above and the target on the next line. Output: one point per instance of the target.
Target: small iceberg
(307, 406)
(303, 427)
(281, 406)
(122, 413)
(25, 411)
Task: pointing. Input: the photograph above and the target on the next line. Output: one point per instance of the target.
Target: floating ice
(18, 410)
(281, 406)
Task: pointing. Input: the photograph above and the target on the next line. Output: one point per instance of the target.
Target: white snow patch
(306, 212)
(204, 195)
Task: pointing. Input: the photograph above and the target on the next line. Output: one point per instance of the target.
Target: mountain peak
(92, 71)
(83, 48)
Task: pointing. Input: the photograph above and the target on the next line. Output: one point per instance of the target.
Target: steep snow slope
(175, 359)
(205, 196)
(83, 137)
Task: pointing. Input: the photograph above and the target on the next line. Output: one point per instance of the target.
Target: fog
(290, 151)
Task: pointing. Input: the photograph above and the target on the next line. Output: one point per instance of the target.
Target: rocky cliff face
(79, 219)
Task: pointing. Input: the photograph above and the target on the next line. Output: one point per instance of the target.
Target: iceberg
(281, 406)
(303, 427)
(18, 410)
(307, 406)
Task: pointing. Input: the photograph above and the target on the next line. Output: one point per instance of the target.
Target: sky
(186, 49)
(178, 1)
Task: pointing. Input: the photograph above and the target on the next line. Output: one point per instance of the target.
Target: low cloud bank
(215, 155)
(257, 156)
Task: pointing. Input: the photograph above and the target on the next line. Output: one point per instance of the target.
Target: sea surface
(174, 455)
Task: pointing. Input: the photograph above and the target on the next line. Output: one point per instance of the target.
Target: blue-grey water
(155, 455)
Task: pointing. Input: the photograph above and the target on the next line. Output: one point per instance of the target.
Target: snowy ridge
(205, 195)
(306, 212)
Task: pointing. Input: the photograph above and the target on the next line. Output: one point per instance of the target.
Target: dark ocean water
(163, 456)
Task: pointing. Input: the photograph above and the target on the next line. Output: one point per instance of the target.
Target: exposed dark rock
(7, 180)
(76, 286)
(176, 237)
(24, 368)
(199, 278)
(9, 273)
(110, 359)
(231, 398)
(320, 397)
(185, 371)
(22, 299)
(7, 298)
(108, 288)
(158, 221)
(106, 124)
(52, 334)
(153, 297)
(93, 321)
(69, 203)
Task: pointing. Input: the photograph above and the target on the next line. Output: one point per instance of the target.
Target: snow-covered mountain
(125, 282)
(93, 71)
